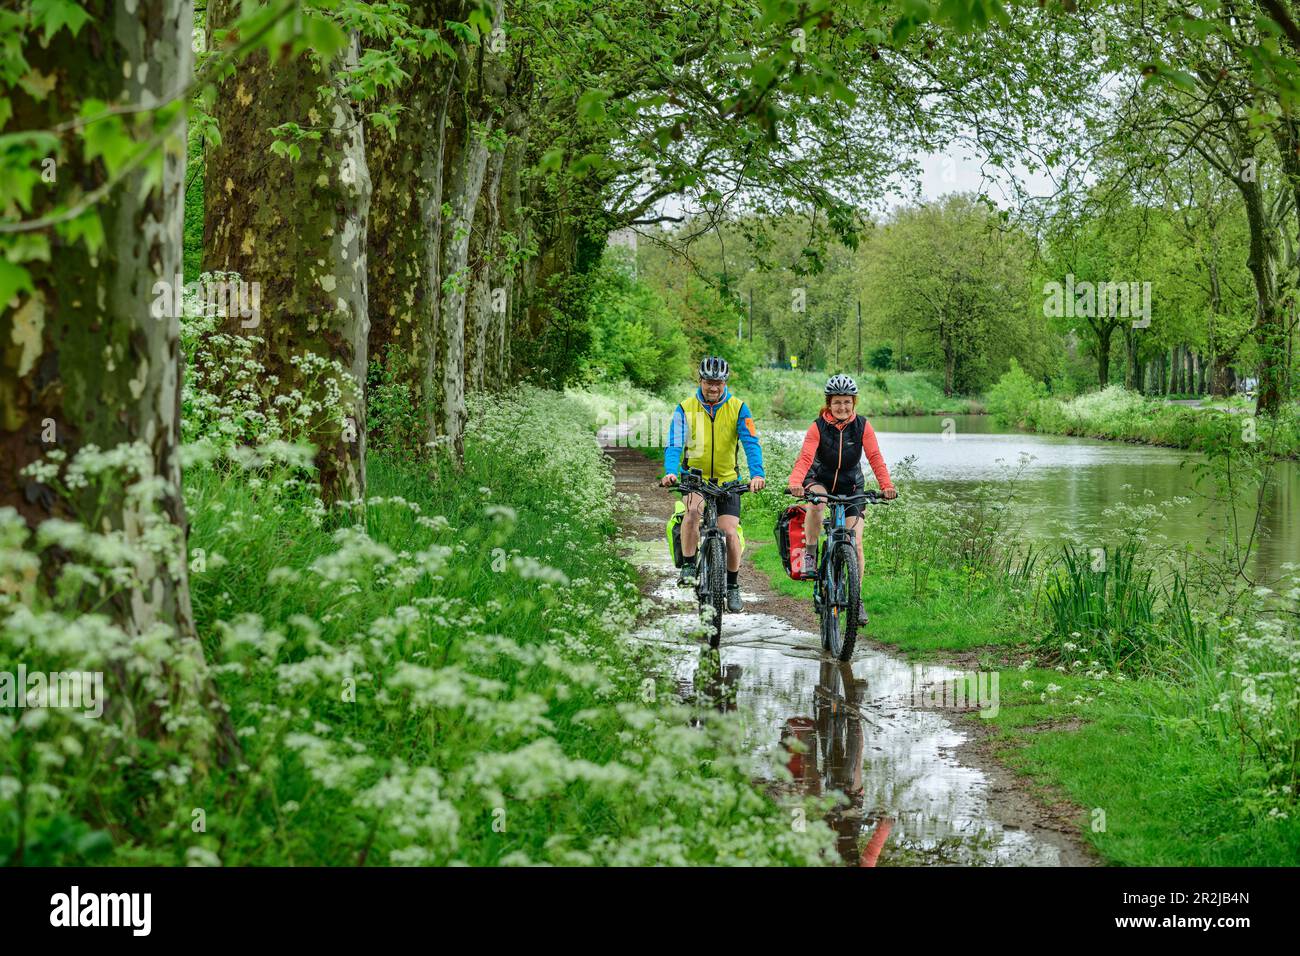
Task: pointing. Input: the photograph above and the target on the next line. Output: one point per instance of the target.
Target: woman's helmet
(840, 385)
(713, 367)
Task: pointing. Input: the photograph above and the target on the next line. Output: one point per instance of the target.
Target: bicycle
(837, 589)
(711, 558)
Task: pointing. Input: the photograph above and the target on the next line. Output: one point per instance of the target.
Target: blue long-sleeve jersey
(745, 433)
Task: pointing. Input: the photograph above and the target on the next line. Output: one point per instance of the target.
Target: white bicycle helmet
(841, 385)
(713, 367)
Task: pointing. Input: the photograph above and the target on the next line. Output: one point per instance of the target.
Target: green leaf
(26, 246)
(463, 31)
(843, 93)
(591, 105)
(106, 137)
(591, 161)
(86, 228)
(903, 28)
(53, 15)
(551, 160)
(150, 174)
(480, 19)
(323, 36)
(1179, 78)
(1195, 28)
(13, 279)
(17, 183)
(917, 10)
(385, 122)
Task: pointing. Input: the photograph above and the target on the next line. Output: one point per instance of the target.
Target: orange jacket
(870, 449)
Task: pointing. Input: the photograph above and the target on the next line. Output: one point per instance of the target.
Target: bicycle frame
(707, 590)
(710, 493)
(834, 598)
(835, 530)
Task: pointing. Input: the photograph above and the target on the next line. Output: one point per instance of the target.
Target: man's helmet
(840, 385)
(713, 367)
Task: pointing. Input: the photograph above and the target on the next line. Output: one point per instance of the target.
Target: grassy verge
(921, 626)
(1120, 415)
(787, 394)
(446, 678)
(1157, 788)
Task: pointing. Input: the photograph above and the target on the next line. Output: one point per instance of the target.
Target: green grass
(920, 627)
(1168, 791)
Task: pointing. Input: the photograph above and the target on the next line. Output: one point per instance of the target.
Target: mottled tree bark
(512, 222)
(487, 304)
(298, 228)
(465, 166)
(87, 360)
(465, 181)
(405, 234)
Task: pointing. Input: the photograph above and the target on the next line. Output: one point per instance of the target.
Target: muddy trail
(922, 779)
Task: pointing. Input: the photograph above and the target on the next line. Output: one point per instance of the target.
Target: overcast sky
(954, 171)
(943, 173)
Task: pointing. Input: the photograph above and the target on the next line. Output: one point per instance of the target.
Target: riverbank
(1117, 414)
(796, 395)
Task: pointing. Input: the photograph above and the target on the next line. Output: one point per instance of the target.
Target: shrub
(1010, 400)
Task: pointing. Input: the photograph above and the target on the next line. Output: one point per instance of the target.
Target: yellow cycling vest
(712, 442)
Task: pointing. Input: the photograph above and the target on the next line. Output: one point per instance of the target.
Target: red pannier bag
(790, 540)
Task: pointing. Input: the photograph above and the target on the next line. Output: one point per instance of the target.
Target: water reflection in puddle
(862, 733)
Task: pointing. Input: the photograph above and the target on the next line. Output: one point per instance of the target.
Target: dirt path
(964, 757)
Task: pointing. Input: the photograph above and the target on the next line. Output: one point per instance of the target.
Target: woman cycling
(830, 462)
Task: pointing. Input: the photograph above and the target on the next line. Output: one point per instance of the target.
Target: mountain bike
(837, 590)
(711, 558)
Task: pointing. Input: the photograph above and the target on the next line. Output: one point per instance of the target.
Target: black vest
(838, 464)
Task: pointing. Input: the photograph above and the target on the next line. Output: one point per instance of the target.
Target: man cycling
(706, 432)
(830, 461)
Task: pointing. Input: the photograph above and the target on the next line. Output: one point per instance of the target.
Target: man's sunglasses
(713, 382)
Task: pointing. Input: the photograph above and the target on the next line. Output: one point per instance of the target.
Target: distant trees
(950, 282)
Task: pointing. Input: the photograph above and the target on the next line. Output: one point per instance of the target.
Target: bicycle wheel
(714, 590)
(828, 584)
(848, 583)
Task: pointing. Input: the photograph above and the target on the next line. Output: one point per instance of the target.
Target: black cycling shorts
(850, 511)
(729, 504)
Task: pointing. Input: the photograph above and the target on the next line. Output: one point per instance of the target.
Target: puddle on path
(864, 735)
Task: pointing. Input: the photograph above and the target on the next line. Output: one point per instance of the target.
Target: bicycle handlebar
(813, 497)
(693, 484)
